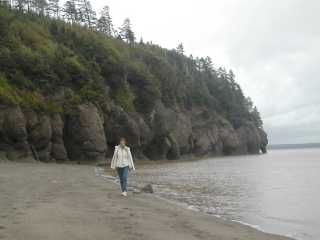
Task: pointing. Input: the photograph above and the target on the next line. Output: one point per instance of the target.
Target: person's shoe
(124, 194)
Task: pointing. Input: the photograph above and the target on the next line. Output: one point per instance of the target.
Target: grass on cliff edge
(11, 95)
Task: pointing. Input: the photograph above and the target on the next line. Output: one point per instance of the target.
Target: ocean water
(278, 192)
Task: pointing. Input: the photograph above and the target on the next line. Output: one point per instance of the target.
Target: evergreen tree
(53, 8)
(198, 64)
(87, 15)
(222, 73)
(208, 65)
(202, 64)
(231, 74)
(29, 4)
(180, 49)
(104, 23)
(20, 4)
(256, 118)
(70, 12)
(231, 79)
(126, 33)
(5, 3)
(205, 64)
(248, 104)
(39, 6)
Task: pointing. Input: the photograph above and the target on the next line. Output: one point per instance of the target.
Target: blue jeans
(123, 176)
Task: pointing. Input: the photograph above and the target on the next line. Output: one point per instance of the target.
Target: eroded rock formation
(87, 132)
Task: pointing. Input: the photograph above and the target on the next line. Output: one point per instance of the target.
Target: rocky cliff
(90, 133)
(69, 93)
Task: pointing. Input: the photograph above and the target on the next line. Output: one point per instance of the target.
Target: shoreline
(62, 201)
(191, 209)
(183, 205)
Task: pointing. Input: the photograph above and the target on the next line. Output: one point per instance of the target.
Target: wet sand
(66, 202)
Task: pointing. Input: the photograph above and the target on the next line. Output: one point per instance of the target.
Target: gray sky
(272, 46)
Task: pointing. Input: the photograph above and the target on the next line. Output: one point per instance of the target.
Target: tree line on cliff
(75, 12)
(53, 60)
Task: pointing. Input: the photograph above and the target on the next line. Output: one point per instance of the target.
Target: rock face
(164, 144)
(263, 140)
(39, 135)
(206, 140)
(58, 151)
(118, 123)
(84, 135)
(228, 137)
(14, 137)
(29, 136)
(249, 139)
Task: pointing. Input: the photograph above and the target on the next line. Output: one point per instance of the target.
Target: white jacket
(116, 156)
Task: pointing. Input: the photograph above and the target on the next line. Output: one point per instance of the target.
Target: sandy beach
(66, 202)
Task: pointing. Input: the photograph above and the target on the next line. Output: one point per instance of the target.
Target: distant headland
(293, 146)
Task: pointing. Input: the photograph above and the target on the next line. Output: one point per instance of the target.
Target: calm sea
(278, 192)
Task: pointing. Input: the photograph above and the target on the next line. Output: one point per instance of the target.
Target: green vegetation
(49, 64)
(12, 95)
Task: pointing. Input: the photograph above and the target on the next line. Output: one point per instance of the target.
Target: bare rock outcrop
(119, 123)
(263, 140)
(228, 137)
(206, 141)
(58, 150)
(13, 134)
(164, 144)
(182, 132)
(213, 135)
(39, 135)
(250, 139)
(84, 134)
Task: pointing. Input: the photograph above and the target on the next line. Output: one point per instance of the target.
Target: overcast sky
(272, 46)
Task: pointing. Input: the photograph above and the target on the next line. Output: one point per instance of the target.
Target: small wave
(249, 225)
(193, 208)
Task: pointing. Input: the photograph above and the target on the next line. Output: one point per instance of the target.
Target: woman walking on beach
(122, 162)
